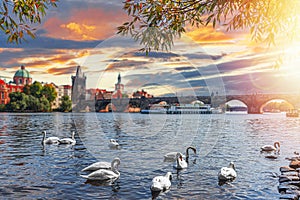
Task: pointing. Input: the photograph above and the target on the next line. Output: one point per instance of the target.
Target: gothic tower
(119, 88)
(78, 86)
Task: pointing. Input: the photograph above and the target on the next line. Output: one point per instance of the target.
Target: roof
(22, 73)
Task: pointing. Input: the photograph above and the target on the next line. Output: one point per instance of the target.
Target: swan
(49, 140)
(105, 174)
(99, 165)
(71, 141)
(113, 143)
(180, 162)
(172, 155)
(276, 147)
(161, 183)
(227, 173)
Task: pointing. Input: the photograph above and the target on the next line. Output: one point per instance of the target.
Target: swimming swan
(105, 174)
(161, 183)
(276, 147)
(99, 165)
(172, 155)
(71, 141)
(49, 140)
(113, 143)
(227, 173)
(180, 162)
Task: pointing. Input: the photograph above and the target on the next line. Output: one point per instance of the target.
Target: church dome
(22, 73)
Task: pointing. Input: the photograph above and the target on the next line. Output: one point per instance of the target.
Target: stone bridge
(254, 102)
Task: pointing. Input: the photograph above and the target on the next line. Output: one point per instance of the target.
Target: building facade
(62, 90)
(22, 77)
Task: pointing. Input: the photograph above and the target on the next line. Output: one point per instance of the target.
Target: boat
(155, 109)
(217, 111)
(189, 109)
(292, 113)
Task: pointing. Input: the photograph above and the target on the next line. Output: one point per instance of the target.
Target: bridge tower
(78, 86)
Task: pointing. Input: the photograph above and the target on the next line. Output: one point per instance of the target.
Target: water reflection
(30, 170)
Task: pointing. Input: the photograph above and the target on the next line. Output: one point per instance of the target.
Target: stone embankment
(289, 180)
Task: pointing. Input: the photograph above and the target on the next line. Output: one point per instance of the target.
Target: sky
(203, 61)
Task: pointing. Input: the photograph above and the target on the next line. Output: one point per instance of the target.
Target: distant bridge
(254, 102)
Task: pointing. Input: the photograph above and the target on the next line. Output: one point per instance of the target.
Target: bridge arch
(110, 107)
(197, 102)
(256, 102)
(282, 105)
(236, 105)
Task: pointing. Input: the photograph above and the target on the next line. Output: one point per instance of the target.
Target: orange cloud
(62, 71)
(98, 24)
(208, 34)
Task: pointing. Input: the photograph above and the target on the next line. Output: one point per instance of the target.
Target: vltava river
(30, 171)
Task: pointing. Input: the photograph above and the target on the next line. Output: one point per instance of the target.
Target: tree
(26, 89)
(33, 104)
(45, 105)
(18, 102)
(49, 92)
(66, 104)
(36, 89)
(17, 17)
(155, 23)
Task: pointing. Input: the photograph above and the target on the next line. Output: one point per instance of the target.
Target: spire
(119, 79)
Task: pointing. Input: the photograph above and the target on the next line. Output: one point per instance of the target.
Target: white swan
(227, 173)
(49, 140)
(276, 147)
(113, 143)
(161, 183)
(71, 141)
(99, 165)
(180, 162)
(105, 174)
(172, 155)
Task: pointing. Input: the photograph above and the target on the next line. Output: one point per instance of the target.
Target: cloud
(38, 58)
(126, 64)
(85, 24)
(62, 71)
(208, 34)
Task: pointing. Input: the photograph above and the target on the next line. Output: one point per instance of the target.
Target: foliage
(155, 24)
(35, 98)
(66, 104)
(35, 89)
(45, 104)
(18, 102)
(17, 17)
(49, 92)
(38, 90)
(2, 107)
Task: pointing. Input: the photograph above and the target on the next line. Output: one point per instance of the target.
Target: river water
(29, 170)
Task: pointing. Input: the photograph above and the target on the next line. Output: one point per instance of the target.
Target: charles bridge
(254, 102)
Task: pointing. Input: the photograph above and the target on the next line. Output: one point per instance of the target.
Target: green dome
(22, 73)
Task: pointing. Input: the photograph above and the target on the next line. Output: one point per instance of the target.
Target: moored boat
(155, 109)
(189, 109)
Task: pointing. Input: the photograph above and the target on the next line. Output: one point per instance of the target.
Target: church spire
(119, 79)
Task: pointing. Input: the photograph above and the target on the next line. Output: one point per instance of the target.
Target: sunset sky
(203, 61)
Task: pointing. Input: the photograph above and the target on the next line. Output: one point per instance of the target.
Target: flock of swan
(109, 171)
(56, 140)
